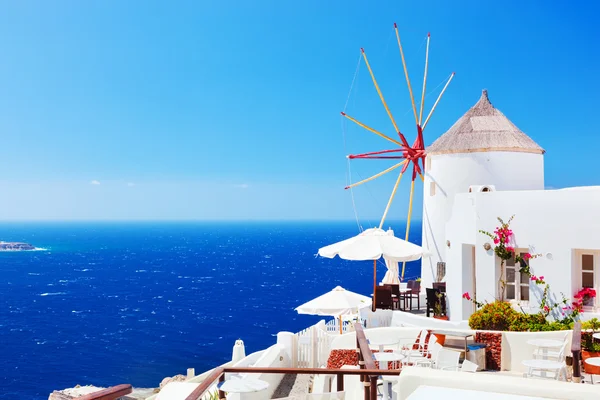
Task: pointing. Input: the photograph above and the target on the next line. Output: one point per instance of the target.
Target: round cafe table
(245, 385)
(596, 336)
(384, 359)
(593, 361)
(545, 344)
(383, 342)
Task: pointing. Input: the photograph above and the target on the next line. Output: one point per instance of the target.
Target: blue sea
(111, 303)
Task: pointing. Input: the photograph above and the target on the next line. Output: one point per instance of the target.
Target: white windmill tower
(483, 151)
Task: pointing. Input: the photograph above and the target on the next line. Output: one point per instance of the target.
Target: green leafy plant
(212, 395)
(438, 310)
(496, 316)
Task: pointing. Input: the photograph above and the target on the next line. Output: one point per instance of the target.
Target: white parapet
(289, 342)
(239, 351)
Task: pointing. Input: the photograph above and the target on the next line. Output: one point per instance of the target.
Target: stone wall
(493, 350)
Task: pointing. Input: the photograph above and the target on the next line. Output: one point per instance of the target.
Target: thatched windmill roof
(484, 128)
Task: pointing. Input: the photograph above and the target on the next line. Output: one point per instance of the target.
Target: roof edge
(488, 150)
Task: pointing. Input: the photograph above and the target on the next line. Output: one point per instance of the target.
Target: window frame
(518, 283)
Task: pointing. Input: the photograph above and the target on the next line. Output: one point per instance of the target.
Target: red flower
(546, 309)
(526, 256)
(542, 278)
(466, 296)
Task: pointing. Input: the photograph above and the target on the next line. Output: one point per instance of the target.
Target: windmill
(410, 155)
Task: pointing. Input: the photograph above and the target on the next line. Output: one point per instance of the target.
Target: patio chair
(395, 295)
(468, 366)
(415, 292)
(557, 368)
(439, 285)
(434, 352)
(422, 350)
(448, 360)
(433, 299)
(383, 299)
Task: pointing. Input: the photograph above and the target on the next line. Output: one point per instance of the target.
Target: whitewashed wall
(453, 174)
(551, 222)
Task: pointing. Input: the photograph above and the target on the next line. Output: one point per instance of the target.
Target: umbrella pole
(340, 317)
(374, 306)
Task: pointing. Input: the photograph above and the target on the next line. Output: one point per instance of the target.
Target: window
(587, 271)
(432, 189)
(517, 283)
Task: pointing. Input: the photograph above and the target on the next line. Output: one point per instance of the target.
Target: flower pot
(444, 317)
(590, 369)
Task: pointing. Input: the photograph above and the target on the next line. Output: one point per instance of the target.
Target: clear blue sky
(192, 109)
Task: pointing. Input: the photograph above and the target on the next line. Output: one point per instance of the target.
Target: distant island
(16, 246)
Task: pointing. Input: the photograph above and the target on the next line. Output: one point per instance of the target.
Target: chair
(434, 351)
(422, 351)
(448, 360)
(468, 366)
(432, 300)
(395, 295)
(415, 292)
(439, 285)
(557, 367)
(383, 298)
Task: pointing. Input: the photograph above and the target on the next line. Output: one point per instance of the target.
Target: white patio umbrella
(335, 303)
(391, 276)
(372, 244)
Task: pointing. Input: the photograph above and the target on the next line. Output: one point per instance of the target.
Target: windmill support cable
(412, 98)
(437, 101)
(390, 169)
(389, 203)
(379, 91)
(424, 81)
(371, 129)
(410, 207)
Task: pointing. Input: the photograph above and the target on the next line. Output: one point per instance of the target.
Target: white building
(484, 167)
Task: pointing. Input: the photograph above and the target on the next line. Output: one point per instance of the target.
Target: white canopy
(373, 244)
(337, 302)
(391, 276)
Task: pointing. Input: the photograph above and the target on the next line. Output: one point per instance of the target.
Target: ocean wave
(52, 294)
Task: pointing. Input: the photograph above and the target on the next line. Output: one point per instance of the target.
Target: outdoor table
(383, 342)
(596, 336)
(383, 359)
(545, 344)
(595, 362)
(425, 392)
(246, 385)
(464, 335)
(403, 293)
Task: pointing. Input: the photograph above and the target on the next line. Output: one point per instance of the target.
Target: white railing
(313, 346)
(333, 326)
(377, 319)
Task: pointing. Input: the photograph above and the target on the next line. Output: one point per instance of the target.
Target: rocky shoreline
(137, 394)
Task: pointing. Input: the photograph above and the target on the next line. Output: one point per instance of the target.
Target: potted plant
(589, 348)
(438, 310)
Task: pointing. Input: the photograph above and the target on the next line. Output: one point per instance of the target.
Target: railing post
(576, 350)
(222, 393)
(340, 382)
(367, 385)
(374, 387)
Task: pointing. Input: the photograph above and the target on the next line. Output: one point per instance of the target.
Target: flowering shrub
(583, 296)
(503, 248)
(496, 316)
